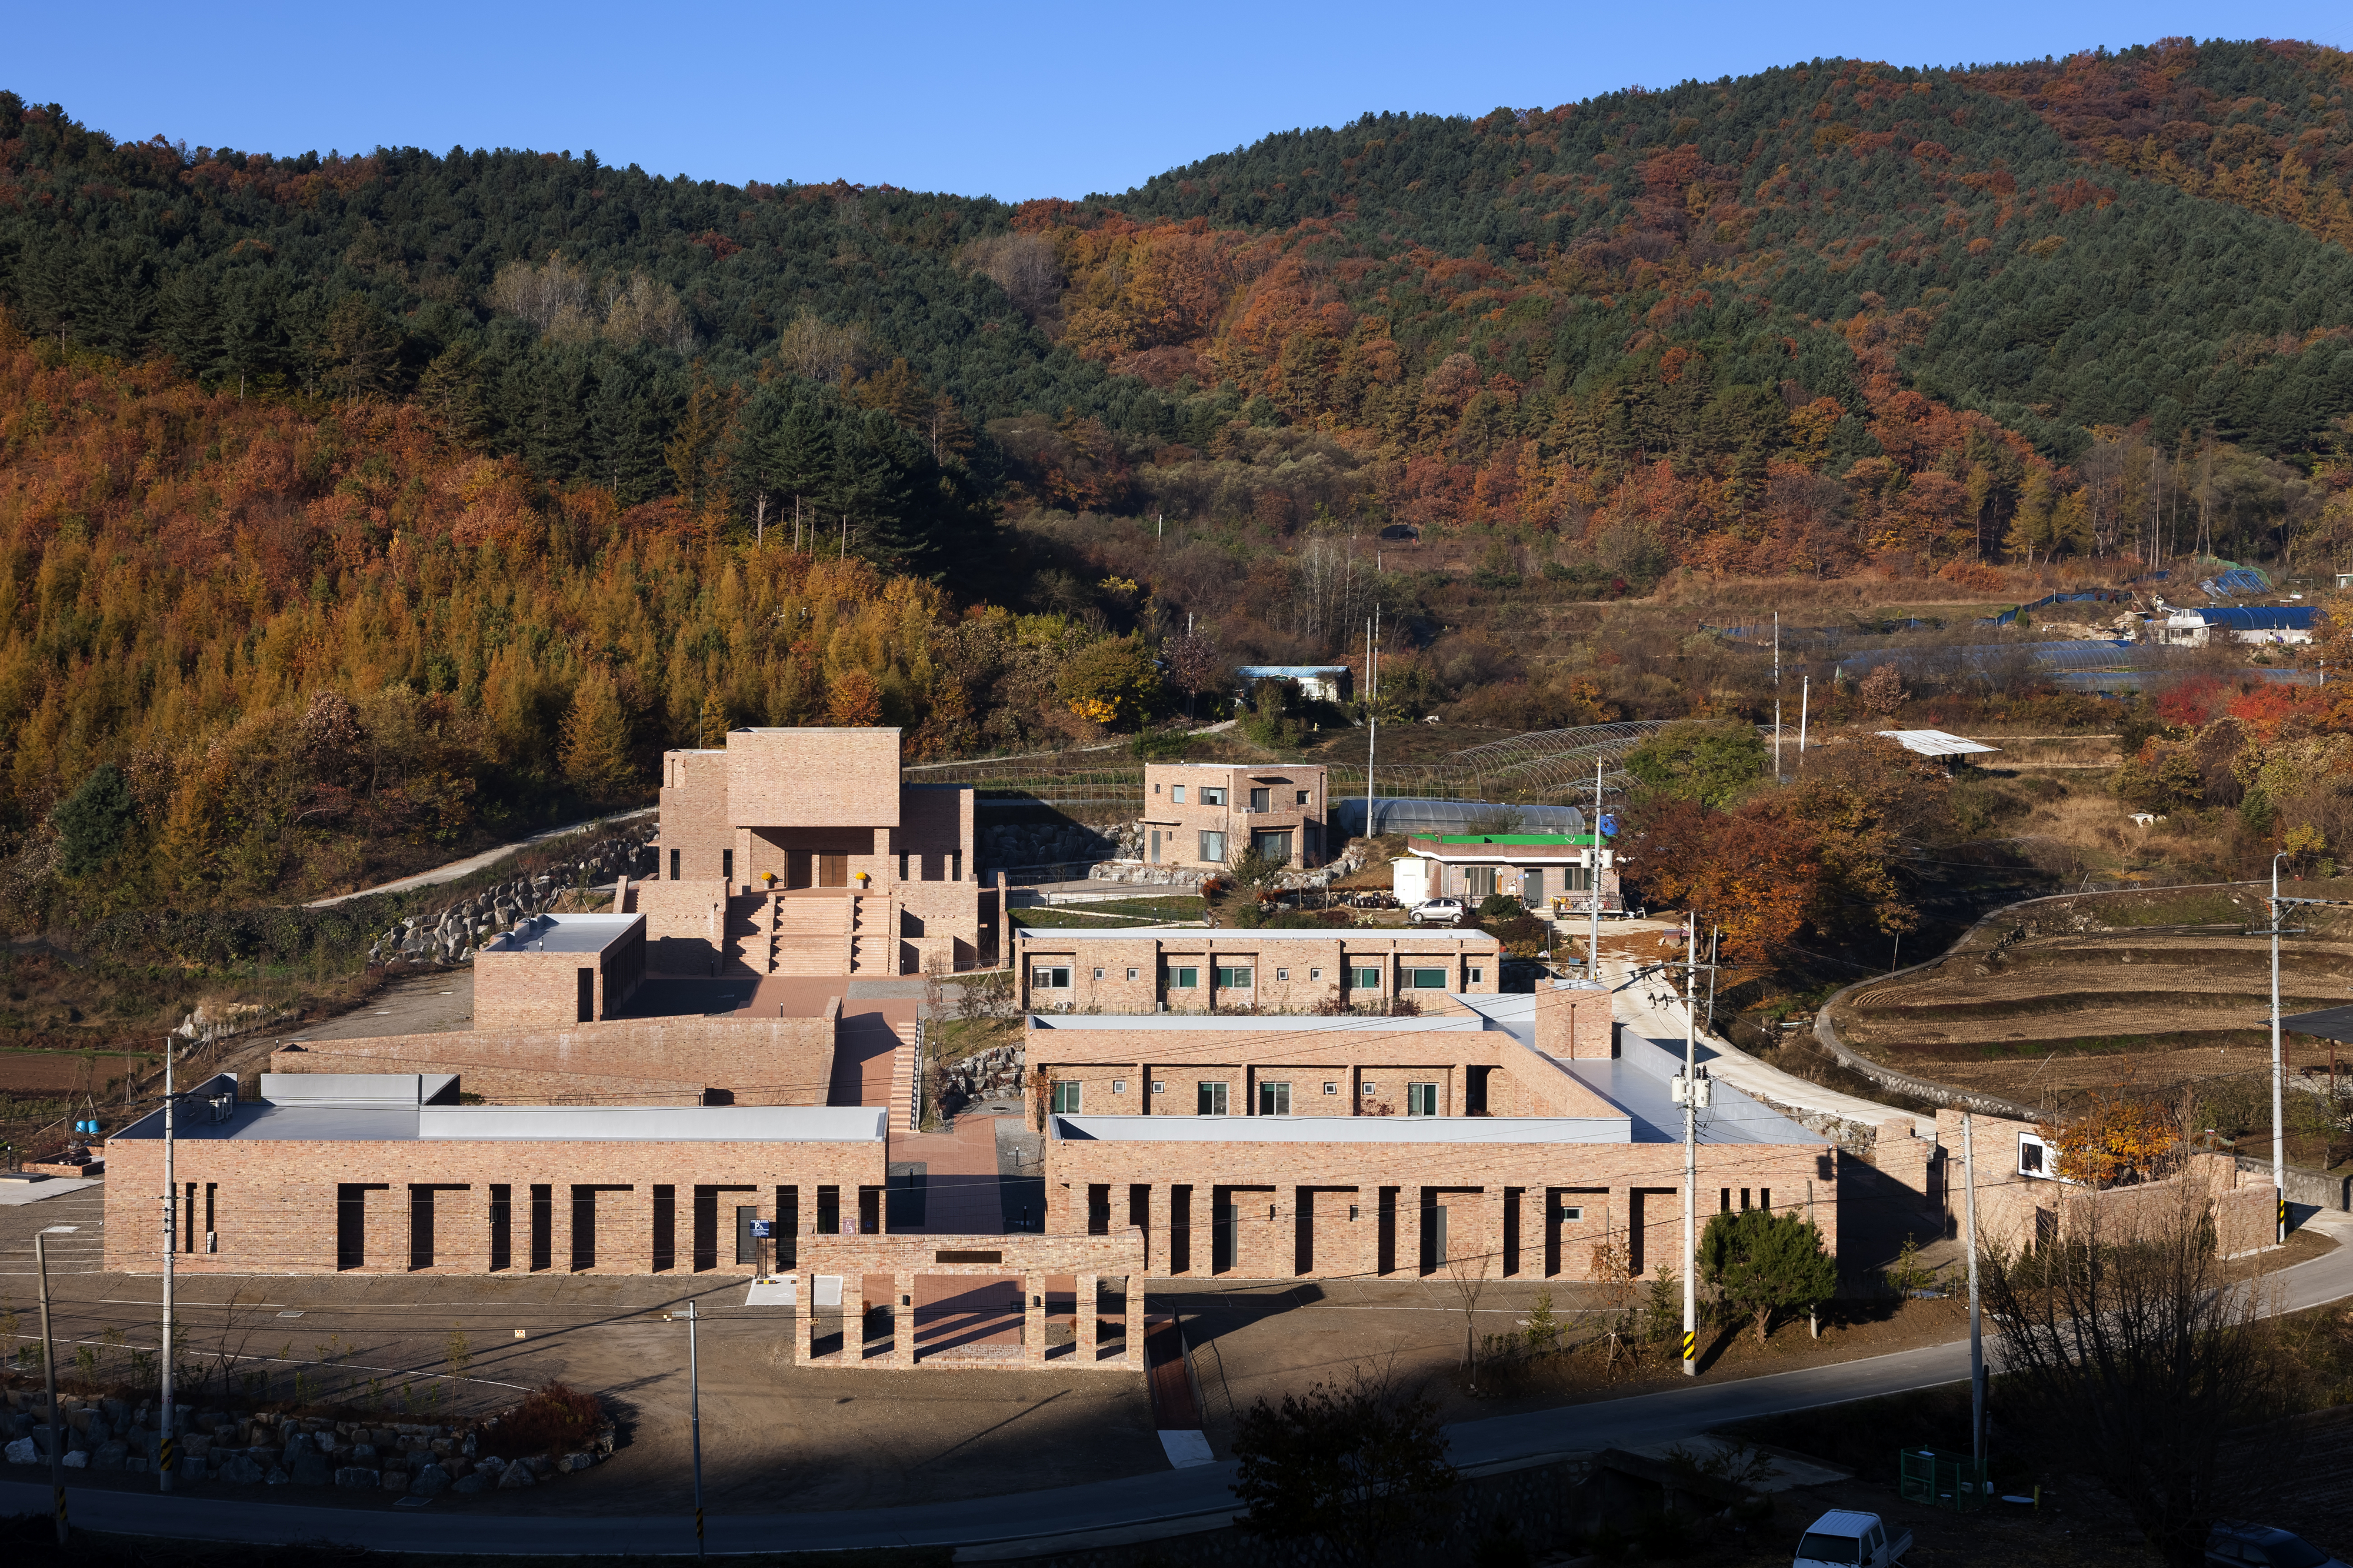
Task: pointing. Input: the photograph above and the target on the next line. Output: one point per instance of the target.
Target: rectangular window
(1098, 974)
(1371, 1089)
(1274, 1100)
(1131, 975)
(665, 1228)
(1213, 847)
(1271, 845)
(1426, 979)
(542, 1226)
(1304, 798)
(584, 1003)
(748, 1247)
(1230, 978)
(1331, 1088)
(1261, 800)
(1175, 794)
(1213, 794)
(727, 864)
(1185, 979)
(1315, 975)
(1578, 879)
(502, 1225)
(1478, 882)
(1119, 1086)
(1066, 1096)
(673, 865)
(1159, 1088)
(1421, 1099)
(1283, 974)
(1211, 1100)
(1570, 1213)
(1471, 976)
(1056, 978)
(1365, 977)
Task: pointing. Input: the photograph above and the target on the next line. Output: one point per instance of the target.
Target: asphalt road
(1101, 1505)
(472, 863)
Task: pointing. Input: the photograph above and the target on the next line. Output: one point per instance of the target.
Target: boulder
(23, 1452)
(395, 1480)
(430, 1481)
(311, 1470)
(574, 1462)
(192, 1470)
(296, 1445)
(358, 1478)
(77, 1458)
(540, 1464)
(242, 1471)
(110, 1456)
(277, 1477)
(516, 1476)
(479, 1481)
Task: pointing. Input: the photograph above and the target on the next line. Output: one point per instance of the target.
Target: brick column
(1492, 1207)
(461, 1229)
(853, 1318)
(1090, 1304)
(1136, 1321)
(903, 1319)
(1033, 1319)
(625, 1238)
(1143, 1087)
(559, 1227)
(804, 1317)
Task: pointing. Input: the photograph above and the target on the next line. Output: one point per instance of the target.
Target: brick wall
(1291, 972)
(813, 778)
(1180, 826)
(694, 830)
(521, 989)
(1291, 1201)
(685, 922)
(276, 1201)
(756, 1061)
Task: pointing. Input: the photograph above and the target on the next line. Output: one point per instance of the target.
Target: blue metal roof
(1290, 672)
(2260, 617)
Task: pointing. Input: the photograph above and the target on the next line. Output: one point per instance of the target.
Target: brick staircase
(808, 936)
(873, 936)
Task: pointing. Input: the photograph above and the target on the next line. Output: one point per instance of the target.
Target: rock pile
(1016, 844)
(452, 936)
(983, 1075)
(265, 1448)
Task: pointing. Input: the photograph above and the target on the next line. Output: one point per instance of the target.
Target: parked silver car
(1436, 913)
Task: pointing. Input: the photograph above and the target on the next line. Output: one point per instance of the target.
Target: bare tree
(1468, 1276)
(2132, 1349)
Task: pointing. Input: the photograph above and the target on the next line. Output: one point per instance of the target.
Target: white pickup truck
(1842, 1538)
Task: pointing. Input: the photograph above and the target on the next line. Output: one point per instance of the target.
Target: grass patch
(1174, 907)
(1039, 919)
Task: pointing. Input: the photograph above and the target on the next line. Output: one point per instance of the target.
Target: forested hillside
(356, 508)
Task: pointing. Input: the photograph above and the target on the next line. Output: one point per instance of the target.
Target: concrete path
(1649, 1007)
(472, 863)
(1196, 1493)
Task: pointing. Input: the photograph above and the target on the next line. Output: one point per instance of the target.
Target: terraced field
(2063, 995)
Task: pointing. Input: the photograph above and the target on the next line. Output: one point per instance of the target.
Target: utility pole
(1593, 887)
(1372, 712)
(1693, 1097)
(1977, 1323)
(694, 1417)
(2279, 1132)
(49, 1378)
(166, 1459)
(1777, 697)
(1805, 694)
(1715, 937)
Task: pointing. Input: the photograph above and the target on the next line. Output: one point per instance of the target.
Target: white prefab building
(1552, 872)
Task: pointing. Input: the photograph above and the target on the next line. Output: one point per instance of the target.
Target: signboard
(763, 1229)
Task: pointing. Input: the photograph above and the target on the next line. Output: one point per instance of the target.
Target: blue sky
(1049, 100)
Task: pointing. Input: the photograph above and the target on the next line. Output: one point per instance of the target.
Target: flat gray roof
(1365, 935)
(263, 1123)
(1344, 1129)
(565, 933)
(382, 1091)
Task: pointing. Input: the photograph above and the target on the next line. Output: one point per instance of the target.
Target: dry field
(2152, 990)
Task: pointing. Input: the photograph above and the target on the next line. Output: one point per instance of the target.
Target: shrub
(552, 1418)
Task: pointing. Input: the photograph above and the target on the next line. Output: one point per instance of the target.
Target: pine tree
(715, 721)
(596, 740)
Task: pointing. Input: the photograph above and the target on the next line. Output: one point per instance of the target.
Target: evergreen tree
(595, 750)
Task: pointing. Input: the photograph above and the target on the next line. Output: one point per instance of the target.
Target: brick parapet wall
(275, 1202)
(756, 1061)
(1629, 1195)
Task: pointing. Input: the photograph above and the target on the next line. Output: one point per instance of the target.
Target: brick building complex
(1188, 969)
(1532, 1144)
(799, 852)
(1212, 814)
